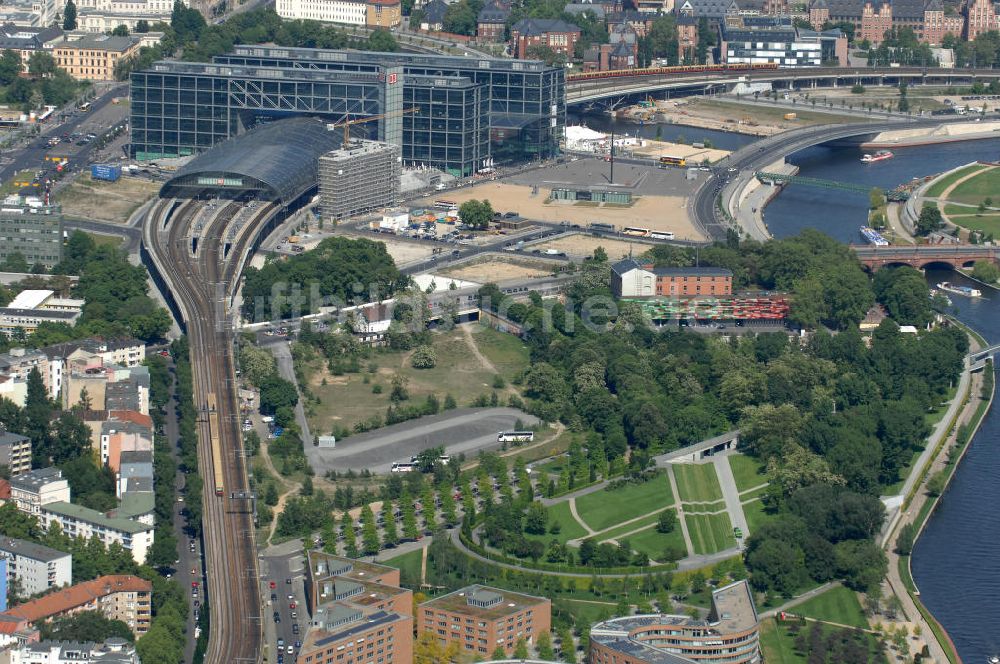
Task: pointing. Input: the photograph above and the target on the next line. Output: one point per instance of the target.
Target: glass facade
(526, 99)
(179, 109)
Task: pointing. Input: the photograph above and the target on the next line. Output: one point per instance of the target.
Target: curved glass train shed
(276, 161)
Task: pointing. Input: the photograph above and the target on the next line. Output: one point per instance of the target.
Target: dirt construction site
(659, 196)
(86, 198)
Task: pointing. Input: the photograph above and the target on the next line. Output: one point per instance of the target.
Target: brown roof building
(119, 597)
(480, 618)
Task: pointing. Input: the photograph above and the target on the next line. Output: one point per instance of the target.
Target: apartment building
(325, 569)
(119, 597)
(27, 226)
(345, 632)
(480, 619)
(17, 363)
(371, 13)
(90, 353)
(15, 453)
(36, 488)
(113, 651)
(118, 437)
(35, 568)
(95, 57)
(78, 521)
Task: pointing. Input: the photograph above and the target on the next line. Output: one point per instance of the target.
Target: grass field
(777, 640)
(755, 514)
(570, 528)
(986, 223)
(837, 605)
(704, 508)
(347, 399)
(710, 532)
(105, 240)
(938, 187)
(985, 184)
(653, 543)
(408, 564)
(747, 472)
(603, 509)
(614, 533)
(697, 483)
(507, 353)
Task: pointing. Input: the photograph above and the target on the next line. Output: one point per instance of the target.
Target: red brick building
(492, 21)
(479, 619)
(555, 34)
(119, 597)
(980, 17)
(687, 38)
(630, 279)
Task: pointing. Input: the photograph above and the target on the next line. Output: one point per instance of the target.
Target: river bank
(951, 133)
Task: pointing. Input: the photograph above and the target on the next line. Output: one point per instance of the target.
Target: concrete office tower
(32, 229)
(361, 177)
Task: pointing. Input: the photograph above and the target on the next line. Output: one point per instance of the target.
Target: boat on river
(881, 155)
(947, 300)
(949, 287)
(872, 236)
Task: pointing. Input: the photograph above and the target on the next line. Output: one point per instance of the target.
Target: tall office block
(31, 229)
(360, 177)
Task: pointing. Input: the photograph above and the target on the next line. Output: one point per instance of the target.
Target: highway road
(199, 283)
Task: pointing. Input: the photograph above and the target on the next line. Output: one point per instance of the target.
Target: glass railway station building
(453, 113)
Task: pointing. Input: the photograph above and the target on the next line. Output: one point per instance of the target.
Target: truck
(790, 116)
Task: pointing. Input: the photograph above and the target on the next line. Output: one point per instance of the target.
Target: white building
(395, 220)
(36, 488)
(35, 568)
(349, 12)
(112, 651)
(33, 307)
(78, 521)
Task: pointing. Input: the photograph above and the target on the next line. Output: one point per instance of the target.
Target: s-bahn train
(665, 71)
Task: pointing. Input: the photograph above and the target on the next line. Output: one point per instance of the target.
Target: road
(33, 156)
(286, 369)
(284, 566)
(730, 493)
(198, 284)
(464, 430)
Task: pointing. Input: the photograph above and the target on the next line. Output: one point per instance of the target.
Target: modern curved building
(277, 161)
(730, 634)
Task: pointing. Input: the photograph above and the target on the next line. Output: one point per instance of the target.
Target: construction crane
(347, 124)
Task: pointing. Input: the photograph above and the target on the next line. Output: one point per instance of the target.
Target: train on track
(215, 434)
(667, 71)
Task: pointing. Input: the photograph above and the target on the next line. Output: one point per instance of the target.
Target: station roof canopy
(277, 159)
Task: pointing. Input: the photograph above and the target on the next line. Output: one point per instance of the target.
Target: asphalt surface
(284, 566)
(33, 155)
(464, 430)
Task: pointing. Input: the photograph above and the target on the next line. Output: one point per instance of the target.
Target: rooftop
(30, 299)
(28, 549)
(627, 264)
(484, 602)
(34, 479)
(348, 622)
(78, 595)
(356, 148)
(733, 607)
(8, 438)
(102, 43)
(323, 565)
(530, 27)
(88, 515)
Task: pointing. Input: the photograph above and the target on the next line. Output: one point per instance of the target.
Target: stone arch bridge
(921, 256)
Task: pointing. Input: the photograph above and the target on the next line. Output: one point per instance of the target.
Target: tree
(521, 649)
(10, 66)
(985, 271)
(544, 644)
(369, 531)
(382, 40)
(929, 220)
(69, 16)
(666, 522)
(85, 626)
(121, 30)
(460, 18)
(350, 540)
(537, 520)
(499, 653)
(423, 357)
(474, 213)
(142, 26)
(904, 541)
(390, 534)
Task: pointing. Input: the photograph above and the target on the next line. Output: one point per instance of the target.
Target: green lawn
(704, 508)
(603, 509)
(507, 353)
(747, 471)
(697, 483)
(710, 532)
(755, 514)
(778, 645)
(570, 528)
(613, 533)
(938, 187)
(987, 223)
(838, 605)
(408, 564)
(975, 189)
(653, 542)
(777, 640)
(102, 240)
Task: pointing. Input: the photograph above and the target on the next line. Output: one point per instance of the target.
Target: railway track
(202, 285)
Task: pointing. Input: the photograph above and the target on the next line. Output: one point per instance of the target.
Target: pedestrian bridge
(698, 451)
(977, 360)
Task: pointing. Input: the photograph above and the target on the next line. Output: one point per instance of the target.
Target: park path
(573, 495)
(753, 488)
(730, 493)
(484, 361)
(572, 510)
(950, 188)
(680, 511)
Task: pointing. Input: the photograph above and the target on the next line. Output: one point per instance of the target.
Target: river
(955, 562)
